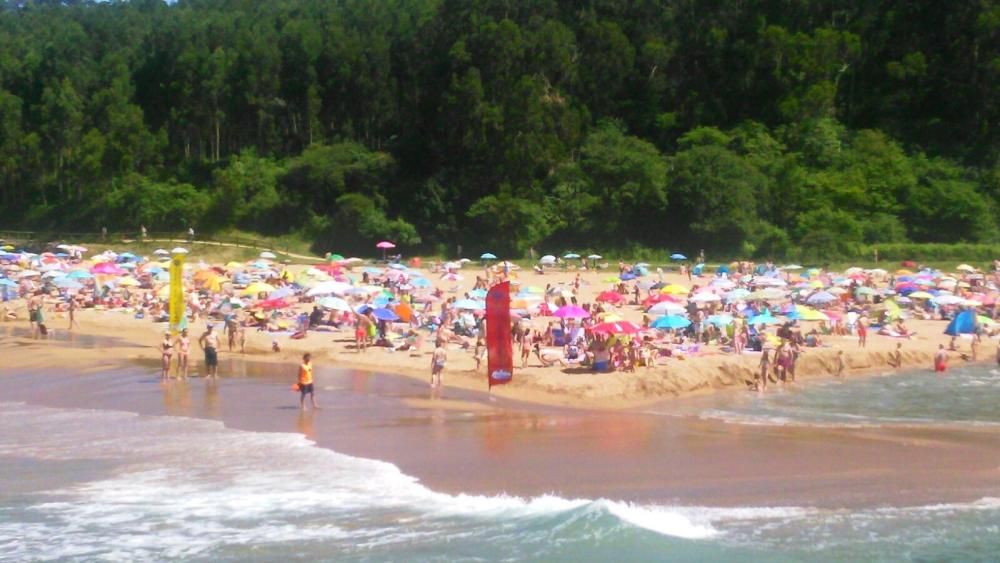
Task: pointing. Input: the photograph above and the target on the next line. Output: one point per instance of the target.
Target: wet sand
(467, 443)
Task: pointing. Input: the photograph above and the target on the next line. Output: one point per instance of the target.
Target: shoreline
(471, 446)
(551, 386)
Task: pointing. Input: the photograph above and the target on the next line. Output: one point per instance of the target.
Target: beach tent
(963, 323)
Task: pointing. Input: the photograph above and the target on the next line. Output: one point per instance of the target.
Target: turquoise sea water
(966, 395)
(101, 485)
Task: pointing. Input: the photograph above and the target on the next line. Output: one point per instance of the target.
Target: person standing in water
(940, 359)
(438, 361)
(896, 357)
(72, 314)
(166, 352)
(209, 342)
(306, 385)
(183, 354)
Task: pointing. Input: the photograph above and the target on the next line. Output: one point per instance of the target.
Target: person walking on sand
(209, 342)
(940, 359)
(306, 386)
(862, 332)
(183, 354)
(166, 352)
(896, 357)
(765, 368)
(72, 314)
(438, 361)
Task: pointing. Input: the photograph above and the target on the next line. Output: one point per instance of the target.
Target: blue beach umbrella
(7, 282)
(478, 294)
(487, 256)
(571, 256)
(79, 275)
(420, 282)
(821, 298)
(66, 283)
(720, 320)
(670, 321)
(678, 256)
(384, 314)
(762, 319)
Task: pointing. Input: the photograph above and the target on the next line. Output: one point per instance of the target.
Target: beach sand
(467, 443)
(573, 387)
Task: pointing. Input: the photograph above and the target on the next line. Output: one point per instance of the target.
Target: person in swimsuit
(940, 359)
(306, 386)
(765, 367)
(166, 352)
(183, 354)
(209, 342)
(438, 361)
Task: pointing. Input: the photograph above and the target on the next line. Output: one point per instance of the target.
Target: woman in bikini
(166, 352)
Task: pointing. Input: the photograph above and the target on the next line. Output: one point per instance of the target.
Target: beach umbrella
(628, 276)
(720, 320)
(821, 298)
(678, 256)
(268, 255)
(767, 294)
(547, 260)
(864, 290)
(674, 289)
(128, 281)
(595, 257)
(666, 308)
(571, 256)
(62, 283)
(921, 295)
(179, 250)
(8, 283)
(334, 303)
(807, 314)
(106, 268)
(281, 292)
(420, 282)
(329, 288)
(258, 287)
(161, 252)
(705, 297)
(384, 246)
(470, 305)
(965, 268)
(947, 300)
(487, 256)
(30, 274)
(570, 312)
(269, 304)
(762, 319)
(736, 294)
(617, 327)
(610, 297)
(384, 314)
(670, 321)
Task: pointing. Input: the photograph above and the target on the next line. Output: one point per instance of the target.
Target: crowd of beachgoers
(573, 313)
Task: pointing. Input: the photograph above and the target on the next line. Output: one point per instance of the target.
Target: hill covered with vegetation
(769, 127)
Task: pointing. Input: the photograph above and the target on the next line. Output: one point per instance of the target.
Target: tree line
(759, 127)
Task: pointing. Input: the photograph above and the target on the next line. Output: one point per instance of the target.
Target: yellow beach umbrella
(258, 287)
(810, 314)
(674, 289)
(921, 295)
(128, 281)
(610, 317)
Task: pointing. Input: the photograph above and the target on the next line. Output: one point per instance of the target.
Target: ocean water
(966, 395)
(85, 485)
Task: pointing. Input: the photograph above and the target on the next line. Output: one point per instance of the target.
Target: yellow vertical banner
(176, 292)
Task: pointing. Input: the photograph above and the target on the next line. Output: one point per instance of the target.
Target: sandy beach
(707, 371)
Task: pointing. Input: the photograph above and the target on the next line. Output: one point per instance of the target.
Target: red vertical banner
(500, 349)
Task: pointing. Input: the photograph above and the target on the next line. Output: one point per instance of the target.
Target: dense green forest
(767, 127)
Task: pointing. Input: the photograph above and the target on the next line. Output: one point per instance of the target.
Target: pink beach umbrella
(618, 327)
(385, 245)
(571, 312)
(107, 268)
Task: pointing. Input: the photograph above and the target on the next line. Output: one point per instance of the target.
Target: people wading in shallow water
(183, 345)
(940, 359)
(166, 352)
(209, 342)
(306, 385)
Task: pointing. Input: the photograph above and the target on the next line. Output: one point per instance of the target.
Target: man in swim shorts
(209, 342)
(306, 385)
